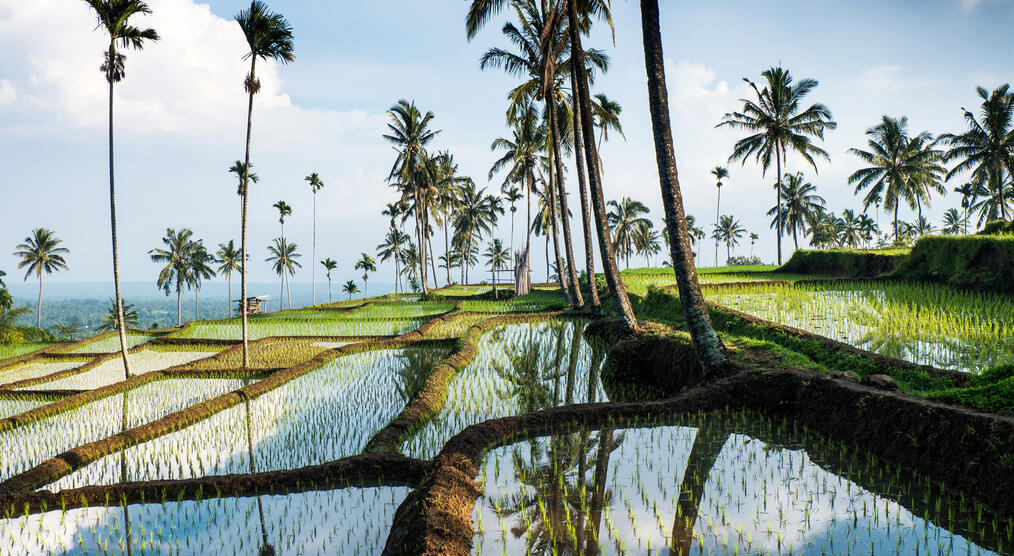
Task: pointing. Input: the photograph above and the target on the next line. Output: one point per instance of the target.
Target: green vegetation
(979, 262)
(863, 263)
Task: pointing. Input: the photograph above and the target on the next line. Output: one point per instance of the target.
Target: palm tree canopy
(497, 255)
(607, 116)
(229, 258)
(350, 287)
(409, 132)
(316, 184)
(111, 320)
(283, 210)
(283, 257)
(720, 173)
(778, 121)
(41, 253)
(800, 204)
(900, 167)
(366, 264)
(176, 256)
(624, 216)
(329, 265)
(523, 152)
(728, 230)
(268, 34)
(240, 169)
(199, 264)
(114, 16)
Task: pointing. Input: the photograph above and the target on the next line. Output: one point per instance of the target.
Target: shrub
(845, 262)
(979, 262)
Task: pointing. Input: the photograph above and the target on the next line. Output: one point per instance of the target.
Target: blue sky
(181, 112)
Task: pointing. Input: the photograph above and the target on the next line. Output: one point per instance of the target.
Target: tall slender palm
(114, 17)
(624, 217)
(282, 256)
(646, 242)
(176, 272)
(316, 184)
(269, 36)
(329, 265)
(986, 148)
(498, 257)
(512, 195)
(200, 269)
(284, 210)
(447, 200)
(900, 167)
(580, 21)
(41, 253)
(720, 173)
(393, 248)
(367, 264)
(228, 262)
(409, 132)
(779, 124)
(800, 204)
(967, 192)
(753, 239)
(729, 231)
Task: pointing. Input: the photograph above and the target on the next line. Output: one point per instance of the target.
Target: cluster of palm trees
(901, 167)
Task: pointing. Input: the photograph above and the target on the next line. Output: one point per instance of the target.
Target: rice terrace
(515, 315)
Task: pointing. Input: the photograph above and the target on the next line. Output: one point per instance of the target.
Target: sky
(181, 114)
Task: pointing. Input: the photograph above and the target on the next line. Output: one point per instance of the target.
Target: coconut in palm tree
(41, 254)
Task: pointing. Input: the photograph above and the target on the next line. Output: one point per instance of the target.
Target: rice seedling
(457, 326)
(111, 343)
(13, 407)
(155, 358)
(267, 354)
(919, 322)
(345, 521)
(537, 301)
(14, 350)
(722, 484)
(267, 327)
(327, 414)
(638, 282)
(37, 369)
(518, 368)
(400, 309)
(29, 445)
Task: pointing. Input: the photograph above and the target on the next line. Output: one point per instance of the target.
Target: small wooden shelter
(254, 305)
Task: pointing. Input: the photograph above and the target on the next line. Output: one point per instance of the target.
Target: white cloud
(7, 92)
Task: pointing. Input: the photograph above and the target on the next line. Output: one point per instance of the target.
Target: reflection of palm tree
(266, 549)
(412, 374)
(123, 471)
(524, 376)
(708, 444)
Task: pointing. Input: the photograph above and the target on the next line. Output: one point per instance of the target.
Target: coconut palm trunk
(710, 350)
(718, 212)
(606, 251)
(121, 327)
(230, 295)
(779, 152)
(420, 222)
(433, 262)
(589, 248)
(313, 254)
(447, 250)
(38, 308)
(554, 127)
(246, 194)
(179, 302)
(560, 271)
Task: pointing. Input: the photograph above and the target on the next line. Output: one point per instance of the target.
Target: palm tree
(447, 200)
(176, 272)
(350, 288)
(329, 265)
(476, 216)
(990, 202)
(720, 173)
(392, 248)
(41, 253)
(607, 116)
(512, 195)
(851, 231)
(282, 256)
(952, 223)
(967, 192)
(410, 133)
(728, 231)
(498, 257)
(986, 148)
(800, 204)
(284, 210)
(269, 36)
(753, 239)
(114, 16)
(367, 265)
(200, 269)
(778, 124)
(646, 242)
(900, 167)
(111, 320)
(229, 261)
(522, 154)
(624, 217)
(316, 184)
